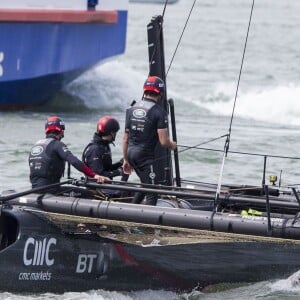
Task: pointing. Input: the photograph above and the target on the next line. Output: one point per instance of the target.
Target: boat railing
(265, 157)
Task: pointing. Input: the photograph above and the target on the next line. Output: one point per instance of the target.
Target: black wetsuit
(97, 156)
(47, 164)
(142, 122)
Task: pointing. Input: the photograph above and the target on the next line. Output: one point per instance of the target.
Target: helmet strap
(113, 137)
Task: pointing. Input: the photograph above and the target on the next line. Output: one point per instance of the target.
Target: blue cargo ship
(44, 45)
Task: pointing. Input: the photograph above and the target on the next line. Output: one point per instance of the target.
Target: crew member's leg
(147, 175)
(143, 166)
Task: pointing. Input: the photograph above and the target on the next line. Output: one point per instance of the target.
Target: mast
(163, 159)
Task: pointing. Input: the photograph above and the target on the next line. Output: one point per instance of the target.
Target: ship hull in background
(43, 49)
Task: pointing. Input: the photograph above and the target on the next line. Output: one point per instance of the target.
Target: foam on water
(98, 295)
(105, 88)
(291, 284)
(275, 105)
(111, 86)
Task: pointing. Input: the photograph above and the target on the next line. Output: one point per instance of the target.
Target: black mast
(157, 68)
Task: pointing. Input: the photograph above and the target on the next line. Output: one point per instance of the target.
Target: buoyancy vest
(102, 148)
(97, 156)
(140, 124)
(44, 161)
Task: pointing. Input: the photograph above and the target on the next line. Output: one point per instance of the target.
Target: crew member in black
(47, 161)
(146, 124)
(97, 154)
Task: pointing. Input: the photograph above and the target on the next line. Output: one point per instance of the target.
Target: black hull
(41, 255)
(199, 265)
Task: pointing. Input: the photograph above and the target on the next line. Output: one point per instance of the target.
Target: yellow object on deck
(251, 212)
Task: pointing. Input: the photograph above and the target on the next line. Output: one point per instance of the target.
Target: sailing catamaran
(199, 234)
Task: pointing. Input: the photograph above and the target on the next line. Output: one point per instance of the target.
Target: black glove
(117, 172)
(118, 164)
(121, 172)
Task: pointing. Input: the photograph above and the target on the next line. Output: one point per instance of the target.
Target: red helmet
(107, 124)
(154, 84)
(54, 124)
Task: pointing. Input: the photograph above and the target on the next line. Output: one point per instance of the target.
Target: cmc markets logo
(37, 252)
(1, 60)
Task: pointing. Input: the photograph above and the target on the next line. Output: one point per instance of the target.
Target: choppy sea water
(202, 80)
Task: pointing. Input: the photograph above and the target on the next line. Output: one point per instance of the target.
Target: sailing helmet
(154, 84)
(54, 123)
(107, 124)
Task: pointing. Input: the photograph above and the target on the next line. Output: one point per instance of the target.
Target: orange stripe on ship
(64, 16)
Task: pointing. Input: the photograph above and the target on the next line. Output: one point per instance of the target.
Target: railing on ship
(264, 186)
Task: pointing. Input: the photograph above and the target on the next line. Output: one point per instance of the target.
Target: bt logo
(85, 263)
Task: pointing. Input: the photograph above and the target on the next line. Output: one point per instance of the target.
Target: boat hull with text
(47, 251)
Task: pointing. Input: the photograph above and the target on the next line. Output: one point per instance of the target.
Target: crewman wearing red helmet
(97, 154)
(146, 125)
(47, 161)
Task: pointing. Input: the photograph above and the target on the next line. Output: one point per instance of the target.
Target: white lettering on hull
(41, 251)
(85, 263)
(38, 276)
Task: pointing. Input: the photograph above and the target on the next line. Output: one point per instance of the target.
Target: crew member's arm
(127, 169)
(126, 166)
(164, 139)
(162, 131)
(96, 161)
(68, 156)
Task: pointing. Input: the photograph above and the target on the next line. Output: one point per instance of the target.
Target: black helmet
(107, 125)
(154, 84)
(54, 123)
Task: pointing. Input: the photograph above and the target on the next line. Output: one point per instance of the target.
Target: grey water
(202, 79)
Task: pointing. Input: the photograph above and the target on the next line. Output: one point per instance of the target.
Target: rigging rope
(191, 147)
(240, 72)
(227, 142)
(165, 6)
(179, 41)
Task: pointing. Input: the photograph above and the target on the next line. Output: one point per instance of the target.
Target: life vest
(140, 124)
(43, 165)
(106, 157)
